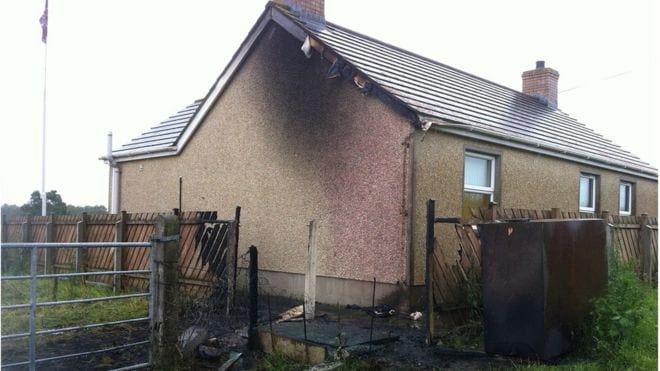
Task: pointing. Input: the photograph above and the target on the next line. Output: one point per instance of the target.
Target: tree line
(54, 206)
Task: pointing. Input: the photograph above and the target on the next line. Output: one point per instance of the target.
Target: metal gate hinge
(174, 237)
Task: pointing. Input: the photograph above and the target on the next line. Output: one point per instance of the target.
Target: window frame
(480, 189)
(594, 188)
(630, 187)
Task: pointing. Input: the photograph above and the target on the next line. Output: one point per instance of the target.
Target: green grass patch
(66, 315)
(622, 333)
(279, 362)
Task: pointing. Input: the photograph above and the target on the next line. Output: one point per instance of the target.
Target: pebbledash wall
(289, 145)
(525, 180)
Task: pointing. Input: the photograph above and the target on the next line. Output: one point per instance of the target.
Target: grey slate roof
(163, 135)
(432, 90)
(437, 90)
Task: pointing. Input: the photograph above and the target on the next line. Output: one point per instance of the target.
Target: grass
(280, 362)
(60, 316)
(622, 333)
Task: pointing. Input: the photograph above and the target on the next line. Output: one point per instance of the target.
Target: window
(587, 193)
(625, 198)
(479, 181)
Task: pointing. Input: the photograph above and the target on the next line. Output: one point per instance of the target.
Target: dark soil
(230, 335)
(80, 342)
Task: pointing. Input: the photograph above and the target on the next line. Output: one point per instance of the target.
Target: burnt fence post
(231, 262)
(430, 237)
(237, 220)
(253, 297)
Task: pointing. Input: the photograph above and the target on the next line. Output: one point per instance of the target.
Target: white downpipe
(114, 208)
(114, 181)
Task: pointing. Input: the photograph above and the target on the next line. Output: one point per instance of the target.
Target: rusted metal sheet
(538, 279)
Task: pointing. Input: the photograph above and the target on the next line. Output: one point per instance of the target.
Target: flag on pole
(44, 24)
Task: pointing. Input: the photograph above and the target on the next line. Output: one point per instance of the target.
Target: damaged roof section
(445, 95)
(435, 94)
(162, 136)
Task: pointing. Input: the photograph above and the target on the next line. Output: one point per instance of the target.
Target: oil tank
(538, 278)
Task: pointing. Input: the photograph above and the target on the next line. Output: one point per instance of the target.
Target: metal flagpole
(44, 35)
(43, 140)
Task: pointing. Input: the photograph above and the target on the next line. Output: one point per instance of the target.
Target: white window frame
(480, 189)
(630, 191)
(593, 180)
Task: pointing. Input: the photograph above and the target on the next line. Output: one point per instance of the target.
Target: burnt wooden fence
(207, 246)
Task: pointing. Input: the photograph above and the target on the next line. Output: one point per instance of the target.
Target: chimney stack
(312, 12)
(541, 83)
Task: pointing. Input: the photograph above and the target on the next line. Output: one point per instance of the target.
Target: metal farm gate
(34, 304)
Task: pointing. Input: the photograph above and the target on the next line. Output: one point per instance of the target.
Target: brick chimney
(312, 12)
(541, 83)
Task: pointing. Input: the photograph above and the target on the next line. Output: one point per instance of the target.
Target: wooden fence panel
(101, 228)
(14, 226)
(139, 228)
(654, 249)
(64, 230)
(451, 277)
(203, 254)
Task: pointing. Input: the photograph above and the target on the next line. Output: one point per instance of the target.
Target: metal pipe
(152, 299)
(114, 206)
(33, 310)
(134, 367)
(67, 329)
(81, 274)
(78, 245)
(76, 301)
(74, 355)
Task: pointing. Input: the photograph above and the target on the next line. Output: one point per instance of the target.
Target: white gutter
(536, 147)
(148, 152)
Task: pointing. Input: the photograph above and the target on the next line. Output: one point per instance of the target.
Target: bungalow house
(312, 121)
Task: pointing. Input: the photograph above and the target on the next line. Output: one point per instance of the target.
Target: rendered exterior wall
(526, 180)
(289, 145)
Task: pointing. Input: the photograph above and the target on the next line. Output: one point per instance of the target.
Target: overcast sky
(124, 65)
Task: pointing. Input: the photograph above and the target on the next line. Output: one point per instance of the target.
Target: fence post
(3, 229)
(253, 298)
(81, 236)
(164, 279)
(231, 265)
(310, 273)
(26, 229)
(492, 212)
(430, 237)
(237, 219)
(555, 213)
(645, 246)
(49, 256)
(120, 236)
(605, 215)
